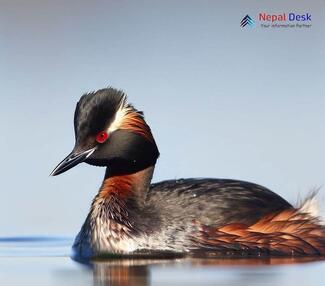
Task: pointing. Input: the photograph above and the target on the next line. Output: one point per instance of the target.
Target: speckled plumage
(192, 215)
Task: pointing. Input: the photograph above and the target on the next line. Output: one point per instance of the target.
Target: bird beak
(73, 159)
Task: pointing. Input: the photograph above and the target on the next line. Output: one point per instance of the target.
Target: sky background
(222, 101)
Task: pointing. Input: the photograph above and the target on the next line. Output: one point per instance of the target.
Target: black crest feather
(96, 110)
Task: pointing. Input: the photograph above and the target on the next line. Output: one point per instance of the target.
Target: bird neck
(117, 213)
(127, 186)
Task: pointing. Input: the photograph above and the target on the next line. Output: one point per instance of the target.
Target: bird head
(110, 132)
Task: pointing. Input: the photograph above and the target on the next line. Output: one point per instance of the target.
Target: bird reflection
(137, 272)
(120, 272)
(107, 274)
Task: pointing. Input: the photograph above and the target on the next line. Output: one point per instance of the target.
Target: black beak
(72, 160)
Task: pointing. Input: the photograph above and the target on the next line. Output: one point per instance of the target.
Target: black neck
(120, 167)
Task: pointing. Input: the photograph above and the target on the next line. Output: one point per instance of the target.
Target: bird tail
(290, 232)
(310, 206)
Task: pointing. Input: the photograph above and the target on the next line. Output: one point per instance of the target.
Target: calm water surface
(46, 261)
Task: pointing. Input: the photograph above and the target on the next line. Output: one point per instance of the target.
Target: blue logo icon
(247, 21)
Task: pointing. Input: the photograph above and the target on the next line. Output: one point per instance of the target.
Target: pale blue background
(222, 101)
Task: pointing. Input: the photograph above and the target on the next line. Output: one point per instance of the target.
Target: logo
(247, 20)
(279, 20)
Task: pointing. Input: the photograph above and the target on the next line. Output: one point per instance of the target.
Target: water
(46, 261)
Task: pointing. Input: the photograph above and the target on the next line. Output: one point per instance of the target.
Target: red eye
(101, 137)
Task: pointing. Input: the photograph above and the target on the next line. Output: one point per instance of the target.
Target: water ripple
(22, 246)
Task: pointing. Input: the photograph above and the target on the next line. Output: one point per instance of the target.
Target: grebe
(129, 215)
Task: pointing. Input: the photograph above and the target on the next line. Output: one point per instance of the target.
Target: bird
(193, 216)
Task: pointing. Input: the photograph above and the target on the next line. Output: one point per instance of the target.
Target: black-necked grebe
(129, 215)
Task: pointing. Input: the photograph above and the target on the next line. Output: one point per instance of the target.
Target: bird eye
(101, 137)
